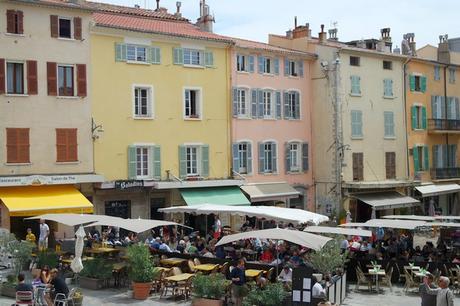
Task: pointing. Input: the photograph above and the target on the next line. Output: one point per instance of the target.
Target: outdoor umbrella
(133, 225)
(338, 231)
(69, 219)
(77, 264)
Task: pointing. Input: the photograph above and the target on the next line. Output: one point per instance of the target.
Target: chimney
(206, 19)
(333, 34)
(386, 39)
(178, 5)
(412, 45)
(361, 44)
(295, 22)
(301, 31)
(322, 35)
(158, 5)
(289, 34)
(443, 49)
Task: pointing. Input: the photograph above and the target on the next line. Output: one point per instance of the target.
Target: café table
(412, 268)
(117, 270)
(251, 253)
(206, 268)
(174, 282)
(102, 251)
(253, 273)
(172, 262)
(163, 269)
(377, 274)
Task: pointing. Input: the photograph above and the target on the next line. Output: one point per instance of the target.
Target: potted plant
(47, 258)
(329, 258)
(9, 287)
(141, 270)
(271, 295)
(77, 298)
(208, 290)
(94, 274)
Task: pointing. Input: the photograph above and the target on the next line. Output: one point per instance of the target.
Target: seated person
(23, 286)
(267, 255)
(164, 247)
(318, 291)
(207, 253)
(58, 286)
(285, 275)
(45, 274)
(156, 243)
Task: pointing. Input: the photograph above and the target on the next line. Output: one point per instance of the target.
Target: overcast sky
(356, 19)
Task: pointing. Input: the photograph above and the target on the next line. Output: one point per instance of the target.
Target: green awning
(214, 195)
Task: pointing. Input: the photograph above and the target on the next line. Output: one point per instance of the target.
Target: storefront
(270, 193)
(439, 199)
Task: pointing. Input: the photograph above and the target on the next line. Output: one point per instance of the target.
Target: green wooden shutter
(423, 84)
(209, 59)
(416, 158)
(414, 117)
(235, 158)
(286, 114)
(386, 88)
(261, 157)
(274, 158)
(249, 162)
(424, 117)
(132, 162)
(287, 151)
(182, 162)
(204, 160)
(426, 158)
(412, 82)
(235, 101)
(305, 156)
(178, 56)
(120, 52)
(278, 104)
(156, 154)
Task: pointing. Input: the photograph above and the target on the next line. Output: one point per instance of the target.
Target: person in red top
(267, 255)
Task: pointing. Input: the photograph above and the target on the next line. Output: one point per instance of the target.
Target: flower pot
(77, 301)
(91, 283)
(141, 291)
(8, 290)
(207, 302)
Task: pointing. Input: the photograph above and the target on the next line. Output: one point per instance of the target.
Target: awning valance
(386, 200)
(432, 190)
(269, 191)
(216, 196)
(31, 200)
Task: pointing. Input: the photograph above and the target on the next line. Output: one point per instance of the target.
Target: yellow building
(161, 113)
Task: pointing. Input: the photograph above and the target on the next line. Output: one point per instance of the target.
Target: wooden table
(172, 262)
(179, 278)
(377, 273)
(103, 251)
(166, 270)
(253, 273)
(206, 267)
(117, 270)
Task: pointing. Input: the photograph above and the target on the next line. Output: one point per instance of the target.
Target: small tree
(329, 257)
(20, 251)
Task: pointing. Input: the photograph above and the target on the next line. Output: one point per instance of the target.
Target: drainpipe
(445, 114)
(405, 114)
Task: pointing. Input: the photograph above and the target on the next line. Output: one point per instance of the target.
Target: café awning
(36, 200)
(337, 231)
(269, 191)
(216, 195)
(432, 190)
(388, 223)
(410, 217)
(386, 200)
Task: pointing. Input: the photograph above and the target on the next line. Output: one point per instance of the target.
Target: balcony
(444, 125)
(445, 173)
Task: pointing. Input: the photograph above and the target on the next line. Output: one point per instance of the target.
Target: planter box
(207, 302)
(91, 283)
(8, 290)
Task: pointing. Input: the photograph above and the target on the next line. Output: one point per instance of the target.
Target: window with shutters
(388, 88)
(389, 125)
(437, 73)
(192, 158)
(15, 78)
(193, 57)
(293, 68)
(143, 102)
(356, 124)
(143, 162)
(267, 65)
(452, 75)
(192, 103)
(358, 166)
(243, 102)
(136, 53)
(17, 146)
(241, 63)
(390, 165)
(293, 105)
(419, 117)
(243, 154)
(388, 65)
(14, 22)
(65, 29)
(418, 83)
(66, 145)
(66, 80)
(355, 89)
(295, 157)
(269, 152)
(268, 104)
(355, 61)
(420, 156)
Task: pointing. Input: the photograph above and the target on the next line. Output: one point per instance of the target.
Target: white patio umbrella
(77, 265)
(133, 225)
(69, 219)
(338, 231)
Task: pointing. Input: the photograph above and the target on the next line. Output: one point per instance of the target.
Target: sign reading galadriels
(128, 184)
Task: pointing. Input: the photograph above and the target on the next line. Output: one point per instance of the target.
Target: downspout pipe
(405, 66)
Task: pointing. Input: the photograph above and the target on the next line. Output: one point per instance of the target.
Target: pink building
(271, 127)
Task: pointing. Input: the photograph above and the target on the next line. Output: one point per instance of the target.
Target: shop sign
(38, 180)
(122, 185)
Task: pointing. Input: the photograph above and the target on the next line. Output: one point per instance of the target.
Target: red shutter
(61, 145)
(11, 145)
(77, 28)
(52, 79)
(54, 25)
(81, 80)
(23, 146)
(2, 75)
(32, 84)
(20, 16)
(72, 145)
(10, 22)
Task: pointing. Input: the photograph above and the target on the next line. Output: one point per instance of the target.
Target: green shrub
(209, 286)
(329, 257)
(141, 267)
(272, 295)
(47, 258)
(97, 268)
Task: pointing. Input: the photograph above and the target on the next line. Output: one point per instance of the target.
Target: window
(136, 53)
(354, 61)
(243, 103)
(388, 88)
(453, 108)
(267, 157)
(355, 85)
(241, 63)
(390, 165)
(292, 105)
(268, 65)
(356, 124)
(389, 124)
(144, 161)
(193, 57)
(417, 83)
(418, 117)
(420, 156)
(358, 166)
(294, 157)
(65, 80)
(242, 157)
(192, 103)
(14, 22)
(387, 65)
(452, 73)
(437, 73)
(65, 27)
(193, 160)
(17, 145)
(143, 102)
(268, 104)
(15, 78)
(66, 145)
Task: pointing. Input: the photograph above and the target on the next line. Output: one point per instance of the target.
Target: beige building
(45, 110)
(359, 144)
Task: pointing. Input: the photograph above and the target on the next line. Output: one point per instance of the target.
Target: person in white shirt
(318, 291)
(286, 275)
(444, 296)
(44, 233)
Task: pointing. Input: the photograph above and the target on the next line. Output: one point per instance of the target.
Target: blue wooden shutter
(156, 157)
(261, 62)
(154, 55)
(235, 101)
(426, 160)
(423, 84)
(286, 67)
(260, 107)
(416, 158)
(120, 52)
(254, 103)
(305, 166)
(276, 65)
(178, 56)
(261, 157)
(386, 88)
(287, 157)
(354, 89)
(209, 59)
(286, 105)
(274, 158)
(301, 68)
(412, 82)
(297, 105)
(278, 104)
(251, 63)
(236, 158)
(423, 117)
(204, 161)
(182, 161)
(414, 117)
(132, 162)
(249, 161)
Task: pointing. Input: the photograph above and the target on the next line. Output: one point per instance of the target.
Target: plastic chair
(24, 298)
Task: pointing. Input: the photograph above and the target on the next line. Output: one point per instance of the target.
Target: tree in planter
(141, 270)
(209, 286)
(20, 251)
(272, 295)
(329, 257)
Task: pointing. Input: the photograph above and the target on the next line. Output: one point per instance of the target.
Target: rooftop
(249, 44)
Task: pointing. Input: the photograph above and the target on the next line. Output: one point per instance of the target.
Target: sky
(355, 19)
